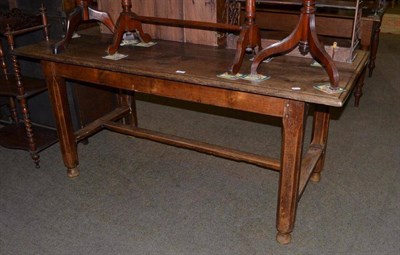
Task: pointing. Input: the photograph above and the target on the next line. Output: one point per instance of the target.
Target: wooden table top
(201, 65)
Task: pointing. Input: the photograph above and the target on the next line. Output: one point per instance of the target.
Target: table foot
(283, 238)
(315, 177)
(73, 172)
(36, 159)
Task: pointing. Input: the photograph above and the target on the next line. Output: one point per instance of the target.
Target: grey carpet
(140, 197)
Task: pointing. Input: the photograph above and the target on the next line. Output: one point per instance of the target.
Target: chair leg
(29, 132)
(13, 110)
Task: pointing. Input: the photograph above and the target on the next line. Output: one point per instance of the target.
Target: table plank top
(200, 65)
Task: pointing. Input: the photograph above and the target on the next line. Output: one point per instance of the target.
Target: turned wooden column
(249, 36)
(12, 106)
(21, 97)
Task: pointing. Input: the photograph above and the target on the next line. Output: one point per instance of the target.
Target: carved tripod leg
(118, 33)
(126, 23)
(358, 89)
(285, 45)
(246, 39)
(318, 52)
(103, 17)
(74, 18)
(144, 37)
(374, 46)
(242, 44)
(292, 143)
(320, 137)
(59, 102)
(127, 99)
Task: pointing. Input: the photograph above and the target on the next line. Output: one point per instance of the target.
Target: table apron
(222, 97)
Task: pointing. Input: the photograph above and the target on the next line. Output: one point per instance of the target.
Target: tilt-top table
(189, 72)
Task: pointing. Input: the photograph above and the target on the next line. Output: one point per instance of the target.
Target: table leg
(58, 98)
(374, 46)
(128, 99)
(359, 86)
(73, 21)
(292, 145)
(320, 137)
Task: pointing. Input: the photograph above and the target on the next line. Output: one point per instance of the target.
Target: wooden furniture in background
(277, 18)
(210, 11)
(84, 11)
(304, 36)
(153, 71)
(19, 88)
(129, 21)
(334, 22)
(370, 30)
(337, 24)
(81, 107)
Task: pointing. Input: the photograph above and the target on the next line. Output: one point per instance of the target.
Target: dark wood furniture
(129, 21)
(303, 35)
(211, 11)
(18, 88)
(334, 19)
(39, 106)
(288, 94)
(370, 30)
(84, 11)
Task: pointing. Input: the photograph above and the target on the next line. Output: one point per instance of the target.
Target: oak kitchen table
(189, 72)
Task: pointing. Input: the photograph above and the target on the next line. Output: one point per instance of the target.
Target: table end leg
(284, 238)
